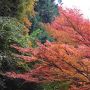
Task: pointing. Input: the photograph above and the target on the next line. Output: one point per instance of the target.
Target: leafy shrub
(55, 86)
(11, 31)
(17, 8)
(40, 35)
(26, 8)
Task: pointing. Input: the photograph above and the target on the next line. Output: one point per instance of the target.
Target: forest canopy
(44, 44)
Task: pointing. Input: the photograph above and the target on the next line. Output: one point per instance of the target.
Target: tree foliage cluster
(18, 25)
(65, 59)
(51, 51)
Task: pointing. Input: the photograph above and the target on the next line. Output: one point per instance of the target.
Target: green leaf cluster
(57, 85)
(11, 31)
(41, 35)
(46, 10)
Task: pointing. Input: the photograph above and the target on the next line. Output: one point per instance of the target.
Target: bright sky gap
(83, 5)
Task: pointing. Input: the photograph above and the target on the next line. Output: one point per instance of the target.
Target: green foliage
(11, 31)
(23, 41)
(54, 86)
(47, 10)
(26, 8)
(7, 62)
(17, 8)
(35, 22)
(41, 35)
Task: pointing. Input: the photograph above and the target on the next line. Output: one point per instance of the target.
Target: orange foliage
(62, 62)
(26, 22)
(70, 27)
(68, 58)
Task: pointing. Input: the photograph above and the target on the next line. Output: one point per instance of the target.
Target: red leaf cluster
(68, 58)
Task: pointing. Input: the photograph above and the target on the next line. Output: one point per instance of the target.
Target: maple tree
(57, 62)
(70, 27)
(68, 58)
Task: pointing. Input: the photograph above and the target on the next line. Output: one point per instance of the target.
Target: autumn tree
(70, 28)
(57, 62)
(67, 58)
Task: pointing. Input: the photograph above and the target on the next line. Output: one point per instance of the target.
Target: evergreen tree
(47, 10)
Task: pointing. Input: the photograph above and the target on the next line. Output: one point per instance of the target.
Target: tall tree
(47, 10)
(18, 8)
